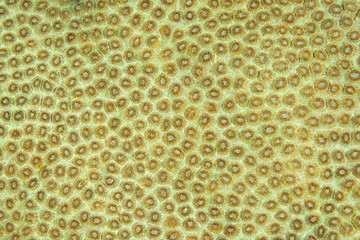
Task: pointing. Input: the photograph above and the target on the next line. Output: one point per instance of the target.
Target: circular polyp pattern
(197, 113)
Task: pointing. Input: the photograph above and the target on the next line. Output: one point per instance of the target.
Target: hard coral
(179, 119)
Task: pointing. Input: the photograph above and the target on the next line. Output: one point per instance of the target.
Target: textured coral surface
(179, 119)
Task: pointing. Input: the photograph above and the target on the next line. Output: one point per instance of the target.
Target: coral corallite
(180, 119)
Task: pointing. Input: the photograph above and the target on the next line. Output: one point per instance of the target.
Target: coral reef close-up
(180, 119)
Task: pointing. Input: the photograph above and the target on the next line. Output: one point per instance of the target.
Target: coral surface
(179, 119)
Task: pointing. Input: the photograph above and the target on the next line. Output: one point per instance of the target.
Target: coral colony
(179, 119)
